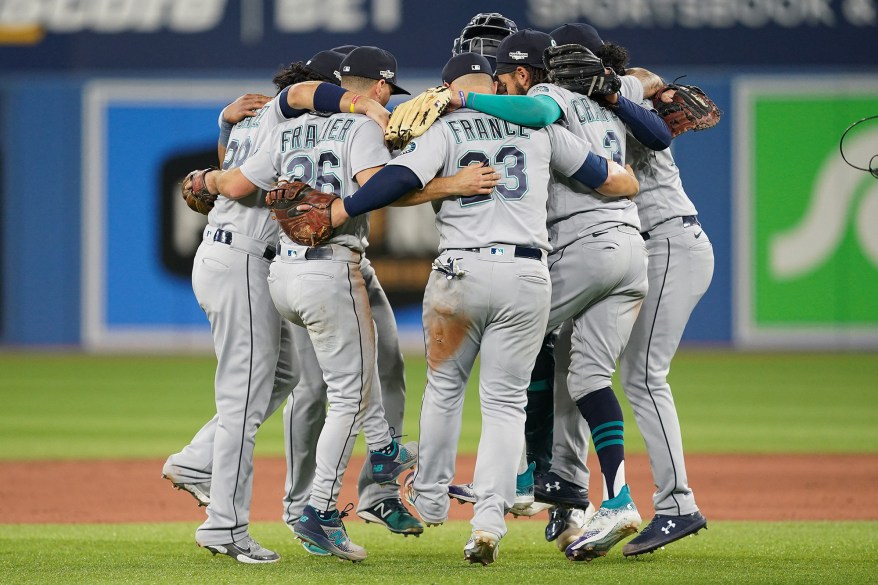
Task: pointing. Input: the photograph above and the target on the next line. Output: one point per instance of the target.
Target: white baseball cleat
(616, 519)
(481, 547)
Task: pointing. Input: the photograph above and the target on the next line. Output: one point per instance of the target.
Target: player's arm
(246, 106)
(532, 111)
(231, 184)
(321, 96)
(650, 81)
(646, 125)
(468, 181)
(605, 176)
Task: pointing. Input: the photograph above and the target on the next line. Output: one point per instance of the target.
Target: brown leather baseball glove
(195, 192)
(688, 108)
(309, 227)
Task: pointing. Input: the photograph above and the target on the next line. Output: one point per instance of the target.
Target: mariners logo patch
(410, 148)
(540, 89)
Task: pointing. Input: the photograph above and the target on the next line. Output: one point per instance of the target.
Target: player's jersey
(515, 213)
(326, 152)
(661, 194)
(247, 216)
(575, 209)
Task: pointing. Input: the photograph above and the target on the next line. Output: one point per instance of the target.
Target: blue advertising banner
(215, 35)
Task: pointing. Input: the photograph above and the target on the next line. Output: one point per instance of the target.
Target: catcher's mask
(483, 34)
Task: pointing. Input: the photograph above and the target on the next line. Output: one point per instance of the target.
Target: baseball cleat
(662, 530)
(309, 548)
(482, 547)
(616, 519)
(393, 515)
(573, 526)
(329, 535)
(200, 490)
(408, 489)
(315, 550)
(244, 551)
(463, 493)
(524, 494)
(553, 489)
(386, 467)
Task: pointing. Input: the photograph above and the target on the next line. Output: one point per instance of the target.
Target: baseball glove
(689, 108)
(577, 69)
(412, 118)
(195, 192)
(310, 227)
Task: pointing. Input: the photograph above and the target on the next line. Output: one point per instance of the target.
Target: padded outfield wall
(101, 120)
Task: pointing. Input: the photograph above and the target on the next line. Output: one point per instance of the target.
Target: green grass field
(58, 406)
(76, 406)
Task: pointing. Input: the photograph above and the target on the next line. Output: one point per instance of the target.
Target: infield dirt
(727, 487)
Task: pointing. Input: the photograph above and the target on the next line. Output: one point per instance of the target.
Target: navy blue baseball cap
(344, 49)
(327, 64)
(524, 47)
(578, 33)
(465, 64)
(372, 63)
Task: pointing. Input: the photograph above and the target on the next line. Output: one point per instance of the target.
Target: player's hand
(475, 180)
(246, 106)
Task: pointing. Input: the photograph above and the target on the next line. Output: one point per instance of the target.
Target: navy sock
(604, 416)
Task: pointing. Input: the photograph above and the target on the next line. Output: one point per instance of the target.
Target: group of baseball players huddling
(545, 254)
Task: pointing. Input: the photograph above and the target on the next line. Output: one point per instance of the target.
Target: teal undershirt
(533, 111)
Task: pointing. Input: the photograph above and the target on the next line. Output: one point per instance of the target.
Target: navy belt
(225, 237)
(520, 251)
(320, 253)
(688, 221)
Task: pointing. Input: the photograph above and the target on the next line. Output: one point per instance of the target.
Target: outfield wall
(102, 118)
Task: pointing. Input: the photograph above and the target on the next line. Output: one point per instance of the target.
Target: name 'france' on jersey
(247, 216)
(326, 152)
(515, 212)
(661, 194)
(575, 209)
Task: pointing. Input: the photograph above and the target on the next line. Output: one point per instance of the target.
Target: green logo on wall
(813, 220)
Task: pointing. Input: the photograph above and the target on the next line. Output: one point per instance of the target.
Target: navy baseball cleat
(552, 489)
(329, 535)
(386, 467)
(393, 515)
(663, 530)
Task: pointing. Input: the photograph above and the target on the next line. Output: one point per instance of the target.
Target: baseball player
(255, 358)
(680, 271)
(347, 150)
(489, 292)
(482, 35)
(305, 412)
(596, 236)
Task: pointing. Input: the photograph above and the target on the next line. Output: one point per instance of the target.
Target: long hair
(296, 73)
(614, 56)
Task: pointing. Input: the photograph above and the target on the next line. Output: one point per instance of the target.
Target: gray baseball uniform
(323, 289)
(306, 408)
(489, 294)
(598, 269)
(255, 358)
(680, 270)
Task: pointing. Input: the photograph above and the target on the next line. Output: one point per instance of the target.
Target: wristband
(225, 132)
(354, 101)
(462, 99)
(327, 97)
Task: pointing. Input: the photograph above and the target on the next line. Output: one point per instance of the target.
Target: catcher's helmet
(483, 34)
